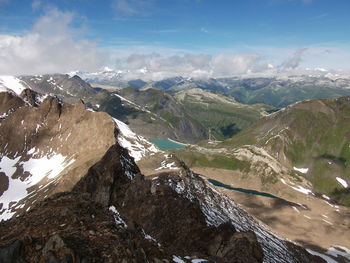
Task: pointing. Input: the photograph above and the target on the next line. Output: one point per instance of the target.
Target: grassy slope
(225, 117)
(198, 159)
(313, 134)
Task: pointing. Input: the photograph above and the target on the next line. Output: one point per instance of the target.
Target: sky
(174, 37)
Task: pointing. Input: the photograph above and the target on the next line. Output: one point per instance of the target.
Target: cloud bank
(54, 45)
(51, 46)
(156, 66)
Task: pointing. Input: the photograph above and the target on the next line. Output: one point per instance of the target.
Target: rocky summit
(71, 193)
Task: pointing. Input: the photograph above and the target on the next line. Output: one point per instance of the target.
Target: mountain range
(277, 91)
(287, 168)
(65, 160)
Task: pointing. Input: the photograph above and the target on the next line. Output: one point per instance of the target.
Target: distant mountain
(156, 114)
(188, 115)
(275, 91)
(151, 112)
(70, 88)
(219, 114)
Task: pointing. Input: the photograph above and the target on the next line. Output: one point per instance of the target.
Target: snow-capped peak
(11, 83)
(108, 69)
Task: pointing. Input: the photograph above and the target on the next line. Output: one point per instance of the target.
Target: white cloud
(36, 4)
(51, 46)
(204, 30)
(131, 7)
(228, 65)
(190, 65)
(258, 61)
(295, 60)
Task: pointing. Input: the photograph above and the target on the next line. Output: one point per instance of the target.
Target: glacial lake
(166, 144)
(242, 190)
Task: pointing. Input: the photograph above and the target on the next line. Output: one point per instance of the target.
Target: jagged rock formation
(52, 145)
(70, 88)
(151, 113)
(83, 230)
(149, 220)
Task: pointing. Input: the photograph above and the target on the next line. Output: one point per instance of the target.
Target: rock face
(84, 230)
(70, 88)
(46, 146)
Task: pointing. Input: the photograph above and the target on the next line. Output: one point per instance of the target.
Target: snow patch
(326, 197)
(126, 164)
(45, 167)
(302, 189)
(339, 251)
(301, 170)
(342, 182)
(137, 146)
(326, 258)
(329, 223)
(11, 83)
(149, 238)
(166, 164)
(31, 151)
(117, 218)
(177, 259)
(38, 168)
(297, 187)
(296, 209)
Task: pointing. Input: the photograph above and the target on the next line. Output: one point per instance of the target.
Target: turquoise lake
(166, 144)
(242, 190)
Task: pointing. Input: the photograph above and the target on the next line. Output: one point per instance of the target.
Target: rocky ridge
(50, 148)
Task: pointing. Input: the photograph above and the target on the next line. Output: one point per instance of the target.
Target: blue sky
(275, 30)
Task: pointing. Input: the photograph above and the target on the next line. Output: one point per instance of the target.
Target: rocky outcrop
(70, 88)
(84, 229)
(46, 146)
(69, 227)
(162, 212)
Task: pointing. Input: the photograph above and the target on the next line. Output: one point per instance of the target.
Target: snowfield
(342, 182)
(38, 169)
(301, 170)
(137, 146)
(166, 164)
(11, 83)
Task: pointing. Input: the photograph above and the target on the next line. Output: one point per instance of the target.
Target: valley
(292, 177)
